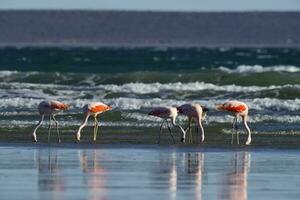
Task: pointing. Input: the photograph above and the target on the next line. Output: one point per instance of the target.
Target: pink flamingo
(196, 112)
(239, 109)
(167, 113)
(50, 108)
(93, 109)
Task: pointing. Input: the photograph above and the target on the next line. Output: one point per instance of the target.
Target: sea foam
(260, 69)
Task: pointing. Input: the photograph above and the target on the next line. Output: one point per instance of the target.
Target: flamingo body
(51, 108)
(92, 109)
(164, 112)
(193, 110)
(95, 108)
(167, 113)
(236, 107)
(239, 109)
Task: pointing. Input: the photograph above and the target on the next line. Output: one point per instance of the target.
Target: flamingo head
(109, 107)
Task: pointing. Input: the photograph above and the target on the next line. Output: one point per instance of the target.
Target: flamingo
(167, 113)
(196, 112)
(50, 108)
(93, 109)
(239, 109)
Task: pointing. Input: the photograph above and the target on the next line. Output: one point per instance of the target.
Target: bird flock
(194, 112)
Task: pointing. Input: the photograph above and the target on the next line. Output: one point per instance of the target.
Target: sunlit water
(148, 172)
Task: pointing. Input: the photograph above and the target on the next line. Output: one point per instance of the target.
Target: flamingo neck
(173, 120)
(247, 128)
(199, 123)
(82, 125)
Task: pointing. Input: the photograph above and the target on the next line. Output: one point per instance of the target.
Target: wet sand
(148, 136)
(147, 172)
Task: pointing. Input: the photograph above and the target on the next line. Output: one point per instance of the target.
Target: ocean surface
(148, 172)
(133, 80)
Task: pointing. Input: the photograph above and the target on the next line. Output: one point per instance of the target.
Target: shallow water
(147, 172)
(135, 80)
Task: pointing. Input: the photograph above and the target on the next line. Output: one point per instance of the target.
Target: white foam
(212, 118)
(148, 88)
(5, 73)
(144, 105)
(143, 120)
(260, 69)
(74, 123)
(272, 104)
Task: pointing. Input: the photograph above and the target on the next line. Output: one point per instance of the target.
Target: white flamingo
(196, 112)
(167, 113)
(50, 108)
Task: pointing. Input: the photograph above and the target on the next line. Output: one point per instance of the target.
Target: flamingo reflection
(195, 164)
(192, 166)
(95, 178)
(49, 174)
(173, 178)
(236, 182)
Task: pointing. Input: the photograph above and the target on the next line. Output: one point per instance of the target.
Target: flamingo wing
(159, 111)
(233, 107)
(98, 107)
(58, 105)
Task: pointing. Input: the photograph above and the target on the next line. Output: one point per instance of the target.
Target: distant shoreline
(141, 46)
(134, 29)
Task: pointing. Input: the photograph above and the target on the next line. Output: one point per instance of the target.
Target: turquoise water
(135, 80)
(148, 172)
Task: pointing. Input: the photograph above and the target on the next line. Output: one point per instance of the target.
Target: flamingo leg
(36, 127)
(188, 124)
(57, 130)
(170, 131)
(191, 132)
(188, 129)
(160, 131)
(234, 126)
(96, 128)
(49, 129)
(237, 133)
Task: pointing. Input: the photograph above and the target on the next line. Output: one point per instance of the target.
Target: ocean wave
(260, 69)
(6, 73)
(34, 90)
(125, 103)
(226, 118)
